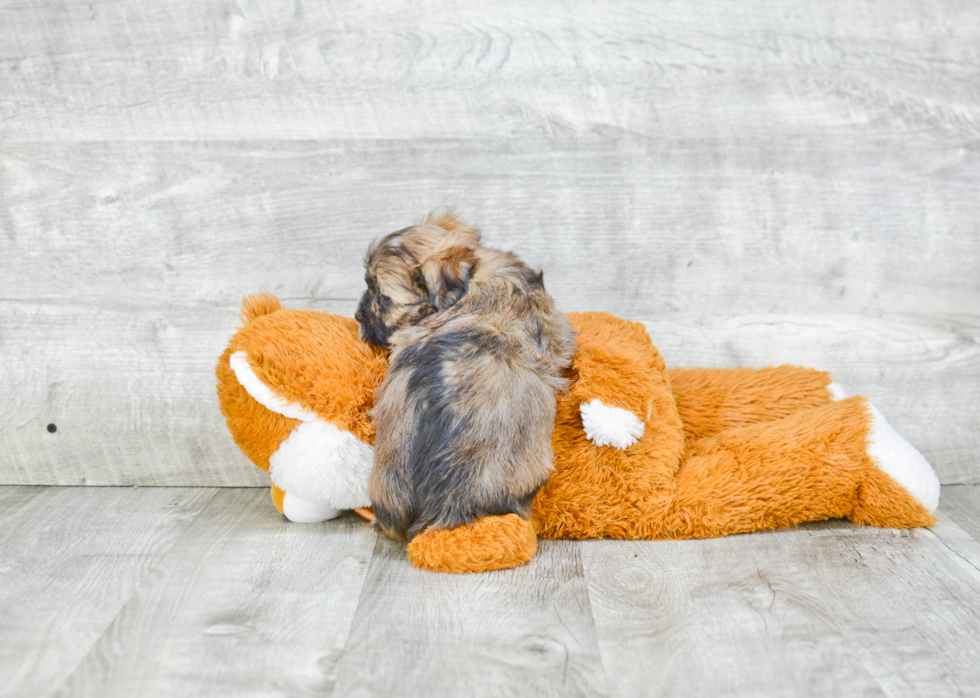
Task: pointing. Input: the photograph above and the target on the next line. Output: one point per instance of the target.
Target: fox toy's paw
(302, 511)
(896, 457)
(902, 461)
(489, 543)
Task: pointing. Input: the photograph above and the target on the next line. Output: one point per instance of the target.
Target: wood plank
(128, 376)
(961, 503)
(825, 609)
(14, 500)
(963, 546)
(130, 391)
(959, 522)
(245, 604)
(130, 388)
(911, 612)
(642, 228)
(123, 591)
(524, 631)
(449, 68)
(68, 563)
(725, 617)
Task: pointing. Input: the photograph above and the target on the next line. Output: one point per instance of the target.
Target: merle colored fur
(465, 415)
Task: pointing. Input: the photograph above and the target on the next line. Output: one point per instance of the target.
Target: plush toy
(641, 451)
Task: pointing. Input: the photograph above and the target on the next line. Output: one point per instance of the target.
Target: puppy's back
(464, 419)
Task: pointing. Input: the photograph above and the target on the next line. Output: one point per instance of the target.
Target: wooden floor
(208, 591)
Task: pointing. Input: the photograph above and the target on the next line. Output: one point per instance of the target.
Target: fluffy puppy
(465, 415)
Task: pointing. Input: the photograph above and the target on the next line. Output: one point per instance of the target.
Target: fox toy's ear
(447, 275)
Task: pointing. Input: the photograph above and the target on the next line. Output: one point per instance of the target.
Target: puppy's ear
(447, 275)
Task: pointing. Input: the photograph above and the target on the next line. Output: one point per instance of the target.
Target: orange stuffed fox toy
(641, 451)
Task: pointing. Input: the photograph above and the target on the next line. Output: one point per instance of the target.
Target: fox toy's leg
(711, 400)
(277, 496)
(489, 543)
(816, 464)
(900, 469)
(300, 510)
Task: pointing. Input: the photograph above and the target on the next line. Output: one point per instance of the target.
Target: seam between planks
(378, 542)
(136, 588)
(595, 626)
(964, 548)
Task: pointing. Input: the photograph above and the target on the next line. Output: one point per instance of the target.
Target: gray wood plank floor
(170, 591)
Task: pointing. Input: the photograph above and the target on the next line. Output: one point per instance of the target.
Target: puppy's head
(413, 273)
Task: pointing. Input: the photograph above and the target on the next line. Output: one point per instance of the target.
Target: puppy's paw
(610, 426)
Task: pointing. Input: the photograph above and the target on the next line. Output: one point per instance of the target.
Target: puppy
(465, 415)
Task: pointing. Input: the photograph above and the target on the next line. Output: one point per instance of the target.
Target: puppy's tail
(257, 304)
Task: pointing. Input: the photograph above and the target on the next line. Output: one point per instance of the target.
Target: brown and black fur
(478, 352)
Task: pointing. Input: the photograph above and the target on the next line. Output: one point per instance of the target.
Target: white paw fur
(899, 459)
(902, 461)
(302, 511)
(610, 426)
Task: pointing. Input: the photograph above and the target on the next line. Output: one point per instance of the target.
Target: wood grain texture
(130, 391)
(450, 68)
(130, 388)
(69, 561)
(14, 500)
(959, 522)
(962, 505)
(762, 182)
(158, 591)
(964, 547)
(724, 617)
(909, 609)
(825, 609)
(641, 228)
(524, 631)
(245, 604)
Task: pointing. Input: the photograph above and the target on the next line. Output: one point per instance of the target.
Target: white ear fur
(610, 426)
(320, 467)
(261, 392)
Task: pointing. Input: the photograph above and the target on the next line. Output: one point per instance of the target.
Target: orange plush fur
(722, 450)
(314, 360)
(490, 543)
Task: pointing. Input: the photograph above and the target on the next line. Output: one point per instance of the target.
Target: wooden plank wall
(759, 182)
